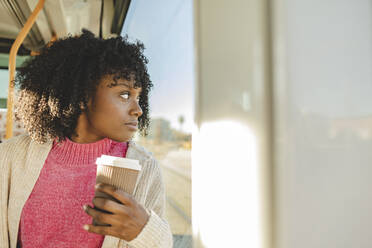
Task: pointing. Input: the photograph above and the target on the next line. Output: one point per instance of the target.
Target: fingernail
(86, 227)
(85, 207)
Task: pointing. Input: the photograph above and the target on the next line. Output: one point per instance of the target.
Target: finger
(118, 194)
(99, 216)
(103, 230)
(108, 205)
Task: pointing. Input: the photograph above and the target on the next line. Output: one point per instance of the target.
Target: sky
(166, 29)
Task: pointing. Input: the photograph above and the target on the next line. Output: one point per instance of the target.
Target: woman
(80, 98)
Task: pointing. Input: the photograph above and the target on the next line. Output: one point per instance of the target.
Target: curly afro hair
(55, 86)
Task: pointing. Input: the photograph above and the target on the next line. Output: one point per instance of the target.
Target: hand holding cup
(115, 211)
(124, 216)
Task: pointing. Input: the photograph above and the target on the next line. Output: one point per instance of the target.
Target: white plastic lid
(119, 162)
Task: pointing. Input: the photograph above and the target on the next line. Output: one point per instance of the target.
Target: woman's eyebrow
(122, 84)
(126, 85)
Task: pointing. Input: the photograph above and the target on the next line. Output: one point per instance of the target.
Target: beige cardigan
(21, 161)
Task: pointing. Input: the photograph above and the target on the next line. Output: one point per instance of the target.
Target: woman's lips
(132, 125)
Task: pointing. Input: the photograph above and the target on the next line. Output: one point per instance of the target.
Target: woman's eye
(125, 95)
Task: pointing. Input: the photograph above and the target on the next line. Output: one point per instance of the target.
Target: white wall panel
(323, 112)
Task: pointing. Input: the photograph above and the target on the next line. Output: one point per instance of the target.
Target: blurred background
(269, 100)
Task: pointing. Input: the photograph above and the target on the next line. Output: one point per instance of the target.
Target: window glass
(166, 29)
(4, 81)
(17, 125)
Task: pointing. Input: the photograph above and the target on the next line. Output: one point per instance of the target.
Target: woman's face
(112, 113)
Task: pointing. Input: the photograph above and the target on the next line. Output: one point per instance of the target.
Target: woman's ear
(82, 107)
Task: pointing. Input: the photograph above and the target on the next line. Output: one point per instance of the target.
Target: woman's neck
(82, 133)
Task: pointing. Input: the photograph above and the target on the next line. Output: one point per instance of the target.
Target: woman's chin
(121, 139)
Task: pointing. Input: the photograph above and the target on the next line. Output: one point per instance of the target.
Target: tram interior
(276, 113)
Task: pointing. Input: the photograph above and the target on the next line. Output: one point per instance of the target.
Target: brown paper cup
(119, 172)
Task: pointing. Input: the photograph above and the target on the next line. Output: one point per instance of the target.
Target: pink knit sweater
(53, 215)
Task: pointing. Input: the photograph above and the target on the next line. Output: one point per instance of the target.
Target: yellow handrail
(12, 65)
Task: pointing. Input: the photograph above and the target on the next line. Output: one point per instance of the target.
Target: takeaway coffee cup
(119, 172)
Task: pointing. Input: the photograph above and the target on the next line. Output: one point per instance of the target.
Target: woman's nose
(136, 110)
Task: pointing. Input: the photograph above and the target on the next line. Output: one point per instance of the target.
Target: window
(17, 125)
(4, 82)
(166, 29)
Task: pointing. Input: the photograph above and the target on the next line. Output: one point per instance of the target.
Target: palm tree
(181, 120)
